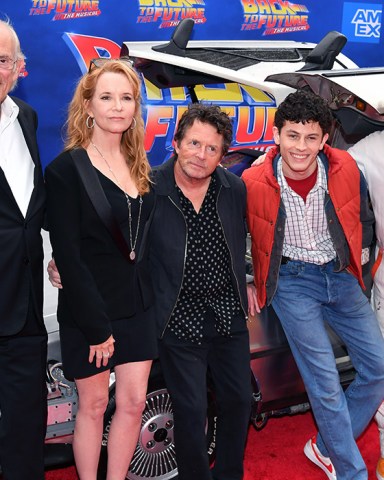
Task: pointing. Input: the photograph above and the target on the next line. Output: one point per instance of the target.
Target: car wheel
(154, 457)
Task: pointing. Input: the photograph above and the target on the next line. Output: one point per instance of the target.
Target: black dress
(118, 297)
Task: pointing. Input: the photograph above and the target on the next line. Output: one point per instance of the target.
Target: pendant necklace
(132, 254)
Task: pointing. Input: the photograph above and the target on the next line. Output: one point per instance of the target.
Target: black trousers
(185, 366)
(23, 402)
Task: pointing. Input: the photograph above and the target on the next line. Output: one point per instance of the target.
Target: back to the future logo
(169, 13)
(362, 22)
(274, 16)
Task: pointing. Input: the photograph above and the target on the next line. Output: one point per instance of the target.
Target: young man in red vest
(311, 227)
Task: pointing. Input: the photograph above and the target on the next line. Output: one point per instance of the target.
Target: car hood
(167, 71)
(209, 62)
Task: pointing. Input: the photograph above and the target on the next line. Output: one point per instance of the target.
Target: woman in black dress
(99, 211)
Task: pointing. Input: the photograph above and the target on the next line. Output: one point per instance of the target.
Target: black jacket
(100, 284)
(168, 237)
(21, 249)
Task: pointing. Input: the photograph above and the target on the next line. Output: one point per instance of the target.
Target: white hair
(7, 24)
(19, 55)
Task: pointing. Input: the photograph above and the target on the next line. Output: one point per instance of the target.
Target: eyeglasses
(7, 63)
(210, 150)
(100, 61)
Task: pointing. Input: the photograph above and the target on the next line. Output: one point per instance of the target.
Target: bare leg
(131, 389)
(93, 400)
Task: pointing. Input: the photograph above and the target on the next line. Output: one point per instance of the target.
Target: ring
(106, 354)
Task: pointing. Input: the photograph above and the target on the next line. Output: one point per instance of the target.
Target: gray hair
(19, 55)
(7, 24)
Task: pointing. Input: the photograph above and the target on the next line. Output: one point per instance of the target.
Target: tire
(154, 457)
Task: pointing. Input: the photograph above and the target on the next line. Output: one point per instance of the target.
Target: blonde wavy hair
(132, 142)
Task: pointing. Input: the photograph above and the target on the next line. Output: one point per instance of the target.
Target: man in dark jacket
(198, 270)
(311, 229)
(23, 338)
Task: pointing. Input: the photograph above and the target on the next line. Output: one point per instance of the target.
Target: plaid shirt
(306, 230)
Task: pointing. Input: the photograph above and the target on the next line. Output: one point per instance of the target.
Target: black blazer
(21, 250)
(99, 284)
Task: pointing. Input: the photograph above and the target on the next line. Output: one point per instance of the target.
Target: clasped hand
(102, 352)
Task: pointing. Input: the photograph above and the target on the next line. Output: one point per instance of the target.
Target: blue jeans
(308, 296)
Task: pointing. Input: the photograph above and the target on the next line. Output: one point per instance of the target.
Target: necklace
(132, 254)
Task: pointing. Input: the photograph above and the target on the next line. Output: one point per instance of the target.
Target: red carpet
(276, 452)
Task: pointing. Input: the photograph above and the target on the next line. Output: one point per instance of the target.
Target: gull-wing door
(354, 96)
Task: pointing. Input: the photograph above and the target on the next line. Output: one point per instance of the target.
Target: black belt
(285, 260)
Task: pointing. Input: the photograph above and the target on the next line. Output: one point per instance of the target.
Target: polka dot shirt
(207, 278)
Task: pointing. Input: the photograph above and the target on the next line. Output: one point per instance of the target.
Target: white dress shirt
(15, 159)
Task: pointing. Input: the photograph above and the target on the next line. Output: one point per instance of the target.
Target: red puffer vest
(263, 201)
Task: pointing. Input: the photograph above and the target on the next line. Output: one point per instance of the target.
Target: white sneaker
(313, 453)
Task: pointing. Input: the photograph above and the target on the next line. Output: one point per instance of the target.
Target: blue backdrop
(59, 37)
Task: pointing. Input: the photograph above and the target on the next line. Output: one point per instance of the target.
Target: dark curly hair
(302, 107)
(205, 113)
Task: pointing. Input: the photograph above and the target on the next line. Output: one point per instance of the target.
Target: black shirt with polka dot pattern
(207, 279)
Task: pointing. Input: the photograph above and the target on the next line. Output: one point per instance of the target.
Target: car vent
(237, 58)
